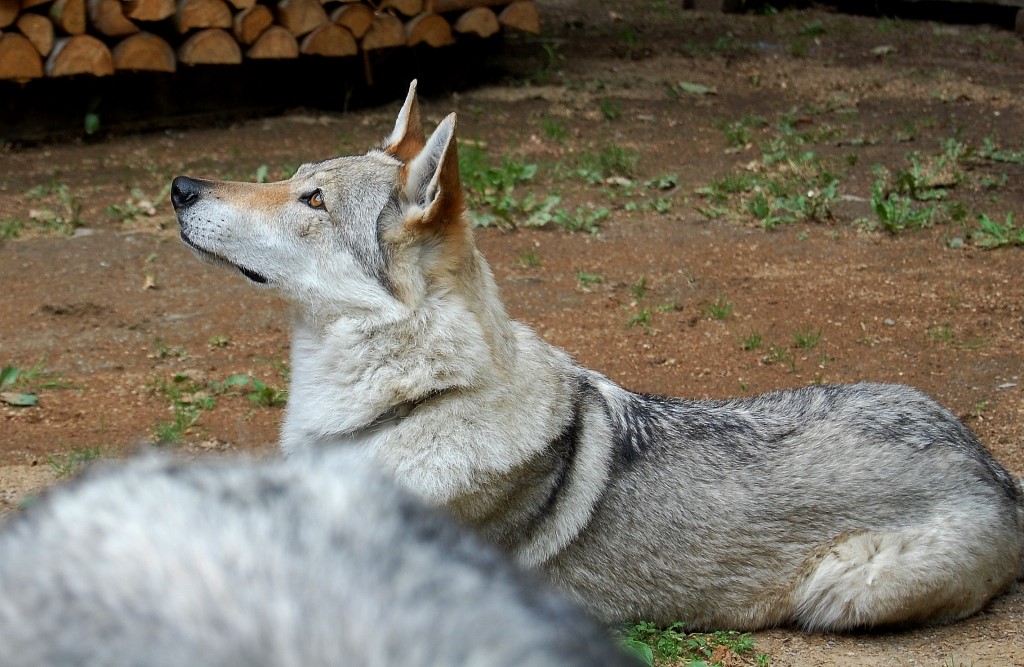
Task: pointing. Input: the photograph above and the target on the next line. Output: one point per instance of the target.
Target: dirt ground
(730, 164)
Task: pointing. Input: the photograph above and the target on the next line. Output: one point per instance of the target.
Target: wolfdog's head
(345, 236)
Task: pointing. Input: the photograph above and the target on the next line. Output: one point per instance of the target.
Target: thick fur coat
(830, 508)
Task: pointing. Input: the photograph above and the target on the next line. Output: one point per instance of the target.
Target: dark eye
(314, 199)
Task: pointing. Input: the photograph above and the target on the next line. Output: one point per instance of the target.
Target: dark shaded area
(966, 13)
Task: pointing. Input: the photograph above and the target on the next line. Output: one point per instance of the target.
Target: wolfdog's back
(830, 507)
(313, 561)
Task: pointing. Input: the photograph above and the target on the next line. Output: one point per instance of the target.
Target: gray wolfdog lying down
(830, 507)
(318, 560)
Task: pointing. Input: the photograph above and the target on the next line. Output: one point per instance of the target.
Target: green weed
(806, 340)
(587, 279)
(60, 210)
(494, 188)
(529, 259)
(610, 109)
(675, 646)
(554, 129)
(720, 309)
(993, 234)
(753, 341)
(990, 151)
(584, 218)
(69, 463)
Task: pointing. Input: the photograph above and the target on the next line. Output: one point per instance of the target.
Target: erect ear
(433, 183)
(406, 140)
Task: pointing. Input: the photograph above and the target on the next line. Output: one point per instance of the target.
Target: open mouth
(255, 277)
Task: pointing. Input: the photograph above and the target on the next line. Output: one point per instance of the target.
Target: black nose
(184, 191)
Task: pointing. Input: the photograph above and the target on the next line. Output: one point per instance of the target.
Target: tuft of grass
(806, 340)
(610, 109)
(642, 317)
(70, 463)
(554, 129)
(529, 259)
(753, 341)
(587, 279)
(720, 309)
(59, 209)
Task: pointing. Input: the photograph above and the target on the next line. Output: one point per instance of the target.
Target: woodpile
(101, 37)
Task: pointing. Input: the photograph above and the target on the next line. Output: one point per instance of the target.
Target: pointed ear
(406, 139)
(433, 182)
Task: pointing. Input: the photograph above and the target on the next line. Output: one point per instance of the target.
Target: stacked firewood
(100, 37)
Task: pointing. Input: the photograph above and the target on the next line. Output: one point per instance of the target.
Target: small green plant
(814, 28)
(639, 288)
(20, 387)
(60, 210)
(778, 354)
(609, 161)
(587, 279)
(990, 151)
(610, 109)
(69, 463)
(806, 340)
(753, 341)
(940, 333)
(9, 229)
(554, 129)
(584, 218)
(267, 395)
(529, 259)
(993, 234)
(719, 309)
(219, 340)
(642, 317)
(896, 212)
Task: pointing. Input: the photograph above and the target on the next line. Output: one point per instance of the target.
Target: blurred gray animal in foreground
(319, 560)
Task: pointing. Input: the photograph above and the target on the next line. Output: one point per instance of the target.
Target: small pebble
(889, 322)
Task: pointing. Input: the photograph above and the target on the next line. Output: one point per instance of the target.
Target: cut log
(430, 29)
(80, 54)
(479, 21)
(301, 16)
(69, 16)
(250, 23)
(39, 30)
(144, 52)
(406, 7)
(149, 10)
(242, 4)
(356, 17)
(441, 6)
(19, 60)
(329, 39)
(521, 15)
(194, 14)
(9, 10)
(274, 43)
(211, 46)
(27, 4)
(385, 32)
(107, 18)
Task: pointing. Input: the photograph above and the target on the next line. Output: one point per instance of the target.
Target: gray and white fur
(320, 560)
(829, 508)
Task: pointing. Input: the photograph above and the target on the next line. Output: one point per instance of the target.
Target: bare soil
(110, 314)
